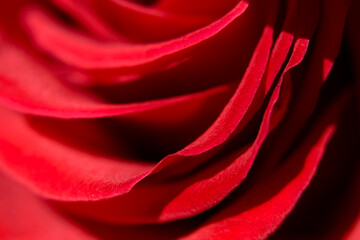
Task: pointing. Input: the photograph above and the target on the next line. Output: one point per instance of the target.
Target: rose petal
(329, 207)
(59, 171)
(310, 76)
(22, 216)
(142, 23)
(88, 18)
(85, 53)
(47, 96)
(251, 85)
(197, 193)
(45, 218)
(355, 231)
(25, 216)
(257, 212)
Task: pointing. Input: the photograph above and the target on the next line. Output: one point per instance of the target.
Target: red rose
(177, 119)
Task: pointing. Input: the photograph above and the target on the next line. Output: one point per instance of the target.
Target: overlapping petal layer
(190, 120)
